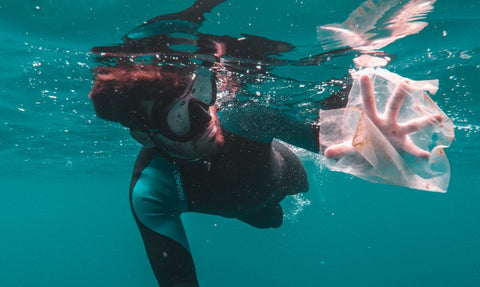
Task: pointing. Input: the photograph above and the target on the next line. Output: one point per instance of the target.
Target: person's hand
(396, 133)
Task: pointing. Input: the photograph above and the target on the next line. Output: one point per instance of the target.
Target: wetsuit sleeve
(262, 124)
(157, 203)
(171, 263)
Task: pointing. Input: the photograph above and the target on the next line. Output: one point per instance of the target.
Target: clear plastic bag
(374, 157)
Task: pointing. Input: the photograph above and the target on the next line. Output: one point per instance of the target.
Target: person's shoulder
(144, 158)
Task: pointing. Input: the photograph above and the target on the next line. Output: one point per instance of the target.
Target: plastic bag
(374, 157)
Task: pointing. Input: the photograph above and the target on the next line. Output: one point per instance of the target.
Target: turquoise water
(64, 198)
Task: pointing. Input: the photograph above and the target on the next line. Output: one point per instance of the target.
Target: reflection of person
(192, 162)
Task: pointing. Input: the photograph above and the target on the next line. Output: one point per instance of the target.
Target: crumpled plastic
(375, 158)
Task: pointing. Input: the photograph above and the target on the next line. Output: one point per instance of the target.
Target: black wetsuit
(244, 180)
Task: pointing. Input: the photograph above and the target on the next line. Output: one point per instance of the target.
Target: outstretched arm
(263, 124)
(396, 133)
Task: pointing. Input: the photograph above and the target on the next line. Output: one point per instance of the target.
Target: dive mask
(185, 117)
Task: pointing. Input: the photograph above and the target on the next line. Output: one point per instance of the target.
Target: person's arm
(262, 124)
(171, 263)
(157, 203)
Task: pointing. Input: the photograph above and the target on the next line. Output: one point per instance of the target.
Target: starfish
(397, 133)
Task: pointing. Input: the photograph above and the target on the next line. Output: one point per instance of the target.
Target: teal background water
(64, 213)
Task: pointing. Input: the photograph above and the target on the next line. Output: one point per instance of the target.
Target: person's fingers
(395, 102)
(368, 98)
(421, 123)
(339, 150)
(412, 149)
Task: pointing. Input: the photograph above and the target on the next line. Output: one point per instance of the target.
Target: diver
(192, 161)
(189, 162)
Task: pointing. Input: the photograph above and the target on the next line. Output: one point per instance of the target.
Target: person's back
(244, 180)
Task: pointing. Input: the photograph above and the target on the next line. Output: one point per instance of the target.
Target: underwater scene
(65, 213)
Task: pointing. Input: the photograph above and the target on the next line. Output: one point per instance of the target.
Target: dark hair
(119, 90)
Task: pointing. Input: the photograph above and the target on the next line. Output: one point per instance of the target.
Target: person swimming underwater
(189, 162)
(192, 160)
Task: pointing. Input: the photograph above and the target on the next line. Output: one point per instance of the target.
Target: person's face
(186, 127)
(203, 145)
